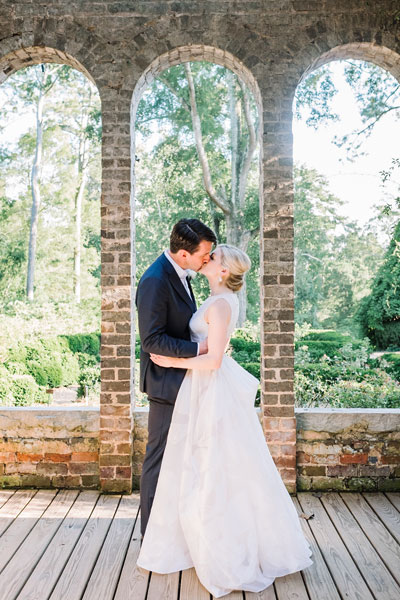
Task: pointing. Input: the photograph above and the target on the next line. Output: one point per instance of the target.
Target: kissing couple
(211, 496)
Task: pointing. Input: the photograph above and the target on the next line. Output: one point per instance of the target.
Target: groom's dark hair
(187, 235)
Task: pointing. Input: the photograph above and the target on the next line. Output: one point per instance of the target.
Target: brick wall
(339, 449)
(120, 45)
(49, 447)
(348, 449)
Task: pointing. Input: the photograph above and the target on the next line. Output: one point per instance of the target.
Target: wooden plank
(73, 579)
(386, 512)
(163, 586)
(134, 580)
(291, 587)
(23, 525)
(394, 498)
(386, 546)
(376, 575)
(191, 587)
(47, 571)
(5, 495)
(267, 594)
(344, 572)
(317, 577)
(17, 571)
(113, 552)
(11, 509)
(235, 595)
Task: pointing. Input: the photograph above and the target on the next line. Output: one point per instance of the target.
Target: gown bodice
(198, 325)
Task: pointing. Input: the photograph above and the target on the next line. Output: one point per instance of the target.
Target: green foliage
(87, 360)
(326, 335)
(48, 360)
(319, 348)
(68, 97)
(391, 364)
(169, 178)
(86, 343)
(334, 259)
(20, 389)
(379, 312)
(313, 98)
(347, 379)
(89, 378)
(375, 90)
(376, 391)
(244, 347)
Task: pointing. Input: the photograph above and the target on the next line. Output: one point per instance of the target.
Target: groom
(165, 304)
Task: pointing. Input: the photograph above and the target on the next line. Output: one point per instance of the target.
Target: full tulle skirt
(220, 505)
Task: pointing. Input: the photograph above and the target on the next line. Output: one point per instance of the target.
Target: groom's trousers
(160, 415)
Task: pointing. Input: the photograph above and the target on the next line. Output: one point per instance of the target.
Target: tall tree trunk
(83, 168)
(77, 248)
(35, 190)
(232, 207)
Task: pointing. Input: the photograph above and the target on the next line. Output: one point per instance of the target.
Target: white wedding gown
(220, 504)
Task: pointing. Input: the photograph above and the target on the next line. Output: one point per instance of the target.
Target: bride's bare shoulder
(219, 309)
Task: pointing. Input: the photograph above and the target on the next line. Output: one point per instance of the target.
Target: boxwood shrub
(20, 389)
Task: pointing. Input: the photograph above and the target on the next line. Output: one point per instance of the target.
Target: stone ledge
(334, 420)
(59, 422)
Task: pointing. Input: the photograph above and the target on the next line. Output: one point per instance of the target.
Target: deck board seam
(28, 532)
(23, 508)
(73, 547)
(321, 550)
(380, 519)
(372, 544)
(348, 549)
(126, 552)
(100, 550)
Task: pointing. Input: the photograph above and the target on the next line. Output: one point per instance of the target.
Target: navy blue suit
(164, 311)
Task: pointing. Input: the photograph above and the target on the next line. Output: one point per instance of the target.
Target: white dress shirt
(182, 274)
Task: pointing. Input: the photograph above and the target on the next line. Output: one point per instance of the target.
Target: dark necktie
(190, 288)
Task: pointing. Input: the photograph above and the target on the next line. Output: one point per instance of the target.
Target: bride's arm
(217, 316)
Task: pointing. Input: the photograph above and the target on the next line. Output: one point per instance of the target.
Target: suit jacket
(164, 311)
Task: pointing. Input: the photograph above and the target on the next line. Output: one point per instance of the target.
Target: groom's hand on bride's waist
(203, 346)
(165, 361)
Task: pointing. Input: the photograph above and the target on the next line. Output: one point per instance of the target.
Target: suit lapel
(177, 283)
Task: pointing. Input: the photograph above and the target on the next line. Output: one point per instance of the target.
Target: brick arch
(195, 52)
(383, 57)
(34, 55)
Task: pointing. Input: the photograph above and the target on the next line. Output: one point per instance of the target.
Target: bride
(220, 504)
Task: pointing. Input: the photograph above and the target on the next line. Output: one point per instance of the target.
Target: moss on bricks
(362, 484)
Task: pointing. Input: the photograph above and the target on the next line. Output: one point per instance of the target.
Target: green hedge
(394, 365)
(20, 389)
(49, 360)
(318, 348)
(86, 343)
(328, 335)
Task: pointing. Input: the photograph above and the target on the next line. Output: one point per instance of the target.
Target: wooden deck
(71, 545)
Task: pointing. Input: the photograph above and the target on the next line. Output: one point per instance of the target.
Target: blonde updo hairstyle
(237, 262)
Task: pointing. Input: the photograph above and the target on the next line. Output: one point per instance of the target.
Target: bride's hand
(164, 361)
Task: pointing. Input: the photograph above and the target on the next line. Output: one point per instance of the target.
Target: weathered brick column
(115, 404)
(277, 289)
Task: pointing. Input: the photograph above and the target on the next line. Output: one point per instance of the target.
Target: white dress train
(220, 504)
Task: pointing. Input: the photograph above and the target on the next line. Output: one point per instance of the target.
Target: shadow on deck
(72, 545)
